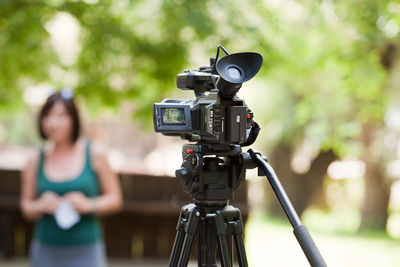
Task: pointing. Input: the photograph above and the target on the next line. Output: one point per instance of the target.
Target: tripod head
(212, 173)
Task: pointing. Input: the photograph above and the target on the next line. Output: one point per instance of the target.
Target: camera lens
(234, 73)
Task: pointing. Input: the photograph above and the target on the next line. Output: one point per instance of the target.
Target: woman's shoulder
(98, 153)
(33, 159)
(97, 149)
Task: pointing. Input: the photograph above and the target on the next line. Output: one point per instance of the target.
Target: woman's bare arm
(32, 207)
(110, 199)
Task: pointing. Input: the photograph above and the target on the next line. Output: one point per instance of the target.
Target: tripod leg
(207, 235)
(190, 230)
(229, 234)
(222, 242)
(200, 242)
(239, 242)
(180, 234)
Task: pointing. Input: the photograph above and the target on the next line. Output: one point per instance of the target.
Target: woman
(65, 187)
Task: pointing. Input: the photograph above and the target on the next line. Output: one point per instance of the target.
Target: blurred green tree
(336, 58)
(127, 50)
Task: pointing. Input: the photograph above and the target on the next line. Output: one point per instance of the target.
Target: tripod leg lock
(193, 223)
(238, 228)
(220, 224)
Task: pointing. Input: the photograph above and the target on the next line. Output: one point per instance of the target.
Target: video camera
(217, 116)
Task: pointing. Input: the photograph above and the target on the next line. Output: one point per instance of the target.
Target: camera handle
(300, 231)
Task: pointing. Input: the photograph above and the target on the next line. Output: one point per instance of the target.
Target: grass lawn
(271, 242)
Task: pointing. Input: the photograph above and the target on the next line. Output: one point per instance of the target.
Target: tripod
(211, 182)
(212, 224)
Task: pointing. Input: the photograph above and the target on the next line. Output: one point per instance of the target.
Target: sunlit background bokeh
(327, 99)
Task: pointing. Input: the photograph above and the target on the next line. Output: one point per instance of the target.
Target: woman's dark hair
(65, 97)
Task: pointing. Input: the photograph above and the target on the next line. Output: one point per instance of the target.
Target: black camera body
(209, 118)
(217, 115)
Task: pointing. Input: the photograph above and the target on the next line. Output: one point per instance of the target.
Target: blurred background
(327, 99)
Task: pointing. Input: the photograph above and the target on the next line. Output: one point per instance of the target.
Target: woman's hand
(48, 202)
(80, 202)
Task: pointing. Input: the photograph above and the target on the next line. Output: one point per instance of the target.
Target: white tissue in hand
(65, 215)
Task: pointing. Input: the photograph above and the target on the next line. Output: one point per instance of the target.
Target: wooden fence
(145, 228)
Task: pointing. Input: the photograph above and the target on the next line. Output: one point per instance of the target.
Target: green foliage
(328, 73)
(322, 64)
(118, 43)
(23, 53)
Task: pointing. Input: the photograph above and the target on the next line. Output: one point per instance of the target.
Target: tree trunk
(280, 161)
(376, 198)
(374, 213)
(301, 188)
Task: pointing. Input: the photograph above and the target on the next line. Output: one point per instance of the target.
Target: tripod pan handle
(309, 248)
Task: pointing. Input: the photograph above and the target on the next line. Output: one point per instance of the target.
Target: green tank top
(88, 229)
